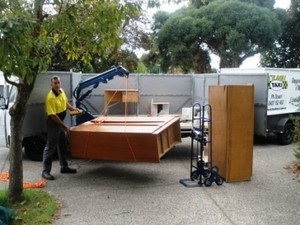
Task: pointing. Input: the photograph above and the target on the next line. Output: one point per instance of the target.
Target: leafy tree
(233, 30)
(185, 58)
(128, 59)
(97, 64)
(29, 31)
(198, 3)
(134, 36)
(179, 46)
(244, 30)
(286, 51)
(159, 19)
(152, 60)
(263, 3)
(141, 68)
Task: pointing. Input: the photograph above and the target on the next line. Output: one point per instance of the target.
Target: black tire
(287, 135)
(195, 175)
(219, 180)
(200, 164)
(207, 182)
(206, 173)
(34, 147)
(214, 170)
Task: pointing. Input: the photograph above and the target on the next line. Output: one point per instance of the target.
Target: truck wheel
(34, 147)
(287, 135)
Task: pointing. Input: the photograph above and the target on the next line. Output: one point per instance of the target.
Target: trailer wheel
(287, 135)
(34, 147)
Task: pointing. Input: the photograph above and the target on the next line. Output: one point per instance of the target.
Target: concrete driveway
(106, 192)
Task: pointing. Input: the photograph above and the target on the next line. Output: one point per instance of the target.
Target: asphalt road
(106, 192)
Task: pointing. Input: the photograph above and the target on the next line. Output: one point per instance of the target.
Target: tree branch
(10, 81)
(249, 54)
(60, 7)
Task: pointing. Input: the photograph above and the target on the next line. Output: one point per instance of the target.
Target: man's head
(55, 83)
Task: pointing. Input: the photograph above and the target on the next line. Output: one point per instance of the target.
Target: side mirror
(3, 103)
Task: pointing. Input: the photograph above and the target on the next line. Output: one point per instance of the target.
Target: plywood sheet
(139, 139)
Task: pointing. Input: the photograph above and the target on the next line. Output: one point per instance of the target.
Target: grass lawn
(38, 207)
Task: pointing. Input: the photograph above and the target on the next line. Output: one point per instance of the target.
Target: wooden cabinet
(232, 130)
(136, 139)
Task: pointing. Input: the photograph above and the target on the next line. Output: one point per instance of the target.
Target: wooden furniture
(120, 95)
(137, 139)
(232, 130)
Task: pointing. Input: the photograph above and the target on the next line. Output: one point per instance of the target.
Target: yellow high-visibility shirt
(56, 104)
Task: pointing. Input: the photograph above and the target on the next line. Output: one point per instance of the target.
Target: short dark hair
(55, 77)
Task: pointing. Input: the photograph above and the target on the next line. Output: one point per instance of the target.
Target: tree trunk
(224, 62)
(17, 112)
(229, 60)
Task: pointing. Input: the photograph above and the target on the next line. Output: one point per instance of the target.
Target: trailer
(276, 93)
(276, 98)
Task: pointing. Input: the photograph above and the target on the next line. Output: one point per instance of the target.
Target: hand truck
(201, 171)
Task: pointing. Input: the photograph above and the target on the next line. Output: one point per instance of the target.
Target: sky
(251, 62)
(282, 3)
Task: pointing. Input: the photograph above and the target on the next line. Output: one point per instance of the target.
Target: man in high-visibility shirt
(56, 108)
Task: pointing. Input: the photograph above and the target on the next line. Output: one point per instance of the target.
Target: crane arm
(91, 84)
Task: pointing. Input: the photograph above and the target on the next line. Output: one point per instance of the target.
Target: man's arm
(57, 120)
(74, 111)
(70, 107)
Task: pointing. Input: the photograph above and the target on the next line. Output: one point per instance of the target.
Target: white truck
(3, 112)
(276, 93)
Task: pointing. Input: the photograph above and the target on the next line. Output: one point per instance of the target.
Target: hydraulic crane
(91, 84)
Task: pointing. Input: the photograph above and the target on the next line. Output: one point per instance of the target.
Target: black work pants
(56, 141)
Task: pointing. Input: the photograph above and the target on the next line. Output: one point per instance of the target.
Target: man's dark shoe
(68, 170)
(47, 176)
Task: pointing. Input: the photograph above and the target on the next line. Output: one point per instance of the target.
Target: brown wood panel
(219, 127)
(233, 130)
(140, 139)
(241, 127)
(130, 96)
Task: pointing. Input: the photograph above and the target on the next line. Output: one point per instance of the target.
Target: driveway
(107, 192)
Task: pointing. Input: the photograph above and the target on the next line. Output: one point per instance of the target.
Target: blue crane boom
(93, 83)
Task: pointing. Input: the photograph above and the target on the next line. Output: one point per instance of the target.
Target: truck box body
(275, 92)
(35, 115)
